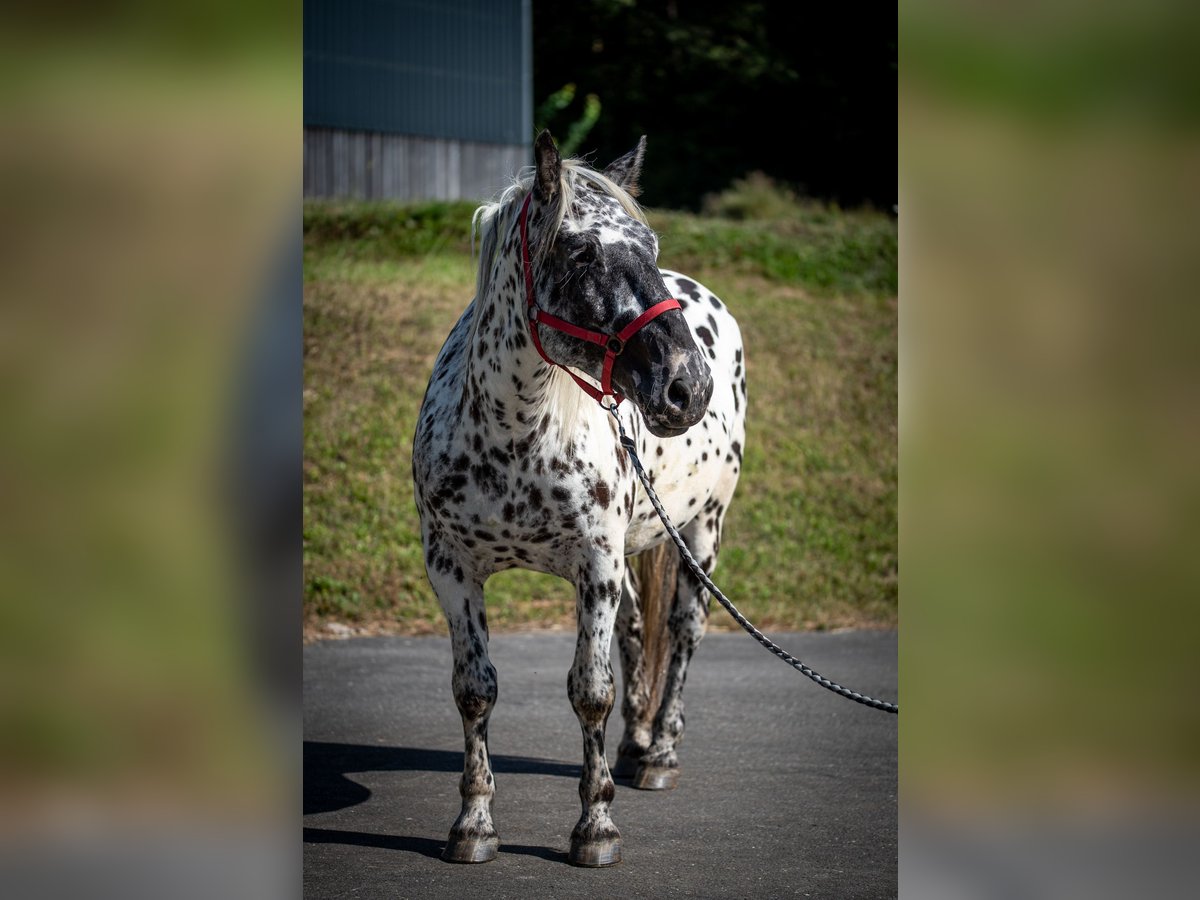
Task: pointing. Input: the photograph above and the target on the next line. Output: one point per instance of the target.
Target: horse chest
(683, 485)
(543, 507)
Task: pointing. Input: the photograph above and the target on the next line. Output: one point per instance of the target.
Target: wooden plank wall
(371, 166)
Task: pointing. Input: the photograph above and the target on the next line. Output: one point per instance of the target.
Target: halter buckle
(614, 345)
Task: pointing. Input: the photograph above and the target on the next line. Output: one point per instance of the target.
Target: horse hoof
(471, 849)
(594, 854)
(656, 778)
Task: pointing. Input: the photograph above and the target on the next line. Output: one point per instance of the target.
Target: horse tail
(657, 574)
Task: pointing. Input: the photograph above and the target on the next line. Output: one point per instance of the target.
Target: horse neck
(509, 389)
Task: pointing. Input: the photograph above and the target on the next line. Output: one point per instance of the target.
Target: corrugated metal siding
(372, 166)
(449, 69)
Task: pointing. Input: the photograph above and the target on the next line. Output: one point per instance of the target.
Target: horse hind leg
(646, 596)
(659, 766)
(473, 837)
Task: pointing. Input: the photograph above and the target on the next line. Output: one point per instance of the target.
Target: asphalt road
(786, 791)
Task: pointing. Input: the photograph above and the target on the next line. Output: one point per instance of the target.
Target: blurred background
(406, 100)
(1048, 201)
(150, 164)
(151, 168)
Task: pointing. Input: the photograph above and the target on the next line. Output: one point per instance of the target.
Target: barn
(410, 100)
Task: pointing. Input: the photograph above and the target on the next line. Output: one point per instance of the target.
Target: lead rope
(703, 578)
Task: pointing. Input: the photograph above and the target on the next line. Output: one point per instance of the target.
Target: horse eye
(583, 255)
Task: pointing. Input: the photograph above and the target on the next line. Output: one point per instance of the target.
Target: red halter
(613, 344)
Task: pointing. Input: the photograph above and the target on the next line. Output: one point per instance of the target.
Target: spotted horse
(515, 465)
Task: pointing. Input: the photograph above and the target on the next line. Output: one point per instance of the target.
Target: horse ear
(625, 171)
(547, 166)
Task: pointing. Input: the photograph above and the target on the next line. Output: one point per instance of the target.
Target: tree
(806, 95)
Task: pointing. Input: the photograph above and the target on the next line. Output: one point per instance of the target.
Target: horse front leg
(473, 837)
(595, 840)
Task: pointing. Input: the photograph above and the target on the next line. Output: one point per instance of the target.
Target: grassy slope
(811, 537)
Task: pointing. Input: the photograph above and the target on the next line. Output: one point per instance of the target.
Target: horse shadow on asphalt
(327, 789)
(420, 845)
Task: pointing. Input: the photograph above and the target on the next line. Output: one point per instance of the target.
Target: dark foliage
(803, 92)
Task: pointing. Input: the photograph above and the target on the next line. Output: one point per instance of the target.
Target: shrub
(757, 196)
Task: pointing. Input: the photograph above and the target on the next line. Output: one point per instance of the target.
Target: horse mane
(494, 220)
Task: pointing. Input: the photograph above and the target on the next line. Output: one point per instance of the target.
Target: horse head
(598, 272)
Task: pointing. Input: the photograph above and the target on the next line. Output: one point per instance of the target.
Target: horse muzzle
(680, 399)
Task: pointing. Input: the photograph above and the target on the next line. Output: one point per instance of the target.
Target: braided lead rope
(703, 578)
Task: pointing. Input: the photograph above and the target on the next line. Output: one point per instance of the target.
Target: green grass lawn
(810, 541)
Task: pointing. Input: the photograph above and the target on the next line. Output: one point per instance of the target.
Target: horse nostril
(679, 394)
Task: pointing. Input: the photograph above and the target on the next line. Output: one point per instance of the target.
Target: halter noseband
(613, 344)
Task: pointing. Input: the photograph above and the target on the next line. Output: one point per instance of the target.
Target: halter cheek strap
(613, 344)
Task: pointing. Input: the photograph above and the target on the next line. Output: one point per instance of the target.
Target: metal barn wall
(416, 100)
(372, 166)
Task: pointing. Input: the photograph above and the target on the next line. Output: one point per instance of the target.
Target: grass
(811, 537)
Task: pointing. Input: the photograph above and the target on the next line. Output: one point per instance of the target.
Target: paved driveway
(787, 790)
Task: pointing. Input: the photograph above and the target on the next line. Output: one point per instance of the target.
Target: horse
(514, 465)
